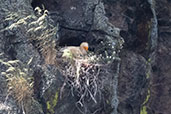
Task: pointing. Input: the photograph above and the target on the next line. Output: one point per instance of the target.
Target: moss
(52, 103)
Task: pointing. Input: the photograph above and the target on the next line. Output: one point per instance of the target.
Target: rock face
(135, 81)
(132, 82)
(159, 102)
(34, 36)
(145, 27)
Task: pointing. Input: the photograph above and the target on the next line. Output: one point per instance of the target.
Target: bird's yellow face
(86, 48)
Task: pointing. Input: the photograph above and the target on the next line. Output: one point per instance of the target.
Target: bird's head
(84, 45)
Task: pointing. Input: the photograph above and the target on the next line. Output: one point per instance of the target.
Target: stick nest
(84, 78)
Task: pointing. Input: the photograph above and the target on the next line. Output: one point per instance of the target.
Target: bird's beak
(86, 48)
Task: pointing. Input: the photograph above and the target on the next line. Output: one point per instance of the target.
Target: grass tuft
(19, 83)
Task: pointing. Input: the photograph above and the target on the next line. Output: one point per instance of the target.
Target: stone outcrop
(135, 81)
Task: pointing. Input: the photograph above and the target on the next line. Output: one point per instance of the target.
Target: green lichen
(148, 75)
(107, 101)
(149, 60)
(148, 63)
(52, 103)
(144, 107)
(143, 110)
(147, 98)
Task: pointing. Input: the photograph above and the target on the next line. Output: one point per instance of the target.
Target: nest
(84, 79)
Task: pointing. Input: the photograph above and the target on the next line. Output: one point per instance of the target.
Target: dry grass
(39, 29)
(19, 83)
(20, 88)
(49, 55)
(47, 43)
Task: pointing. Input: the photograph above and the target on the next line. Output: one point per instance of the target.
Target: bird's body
(75, 51)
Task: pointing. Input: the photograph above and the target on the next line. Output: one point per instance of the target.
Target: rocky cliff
(127, 69)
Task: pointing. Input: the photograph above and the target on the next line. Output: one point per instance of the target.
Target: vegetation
(144, 107)
(51, 104)
(38, 28)
(19, 83)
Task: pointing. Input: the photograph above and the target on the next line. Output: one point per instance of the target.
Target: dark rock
(159, 102)
(144, 71)
(132, 82)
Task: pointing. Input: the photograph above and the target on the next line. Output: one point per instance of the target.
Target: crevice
(12, 53)
(72, 37)
(37, 87)
(50, 5)
(10, 49)
(71, 41)
(37, 3)
(74, 29)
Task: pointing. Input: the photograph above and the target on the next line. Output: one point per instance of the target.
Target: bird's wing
(67, 53)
